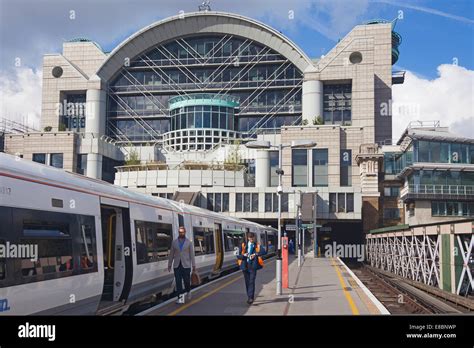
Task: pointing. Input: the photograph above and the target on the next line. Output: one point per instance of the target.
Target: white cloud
(449, 98)
(20, 96)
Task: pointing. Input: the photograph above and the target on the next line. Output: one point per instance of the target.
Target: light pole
(315, 229)
(265, 144)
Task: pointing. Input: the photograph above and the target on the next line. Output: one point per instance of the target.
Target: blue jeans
(182, 274)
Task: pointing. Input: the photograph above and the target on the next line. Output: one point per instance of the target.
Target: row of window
(52, 159)
(246, 202)
(391, 213)
(271, 202)
(441, 177)
(218, 202)
(320, 168)
(207, 75)
(452, 208)
(341, 202)
(443, 152)
(202, 117)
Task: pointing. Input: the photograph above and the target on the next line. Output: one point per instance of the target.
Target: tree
(132, 158)
(48, 128)
(234, 157)
(317, 120)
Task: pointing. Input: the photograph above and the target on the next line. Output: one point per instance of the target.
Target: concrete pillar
(94, 166)
(95, 126)
(262, 169)
(312, 100)
(95, 112)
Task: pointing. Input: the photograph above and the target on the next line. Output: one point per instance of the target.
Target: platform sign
(290, 227)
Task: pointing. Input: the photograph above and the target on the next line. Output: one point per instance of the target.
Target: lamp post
(265, 144)
(315, 220)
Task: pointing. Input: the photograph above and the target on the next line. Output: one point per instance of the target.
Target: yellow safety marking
(348, 296)
(187, 305)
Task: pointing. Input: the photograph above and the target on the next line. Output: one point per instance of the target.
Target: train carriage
(99, 246)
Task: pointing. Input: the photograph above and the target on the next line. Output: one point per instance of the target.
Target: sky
(437, 51)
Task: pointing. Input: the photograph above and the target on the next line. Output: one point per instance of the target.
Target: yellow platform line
(199, 299)
(348, 296)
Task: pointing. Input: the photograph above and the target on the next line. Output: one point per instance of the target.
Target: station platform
(321, 286)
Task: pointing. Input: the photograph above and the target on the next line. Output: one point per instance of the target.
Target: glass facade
(202, 116)
(269, 92)
(443, 152)
(452, 208)
(337, 104)
(441, 178)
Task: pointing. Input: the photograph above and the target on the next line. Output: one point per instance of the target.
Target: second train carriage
(99, 245)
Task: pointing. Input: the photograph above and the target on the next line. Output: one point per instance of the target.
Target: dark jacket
(252, 263)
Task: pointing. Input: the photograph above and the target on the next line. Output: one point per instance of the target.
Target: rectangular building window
(218, 202)
(271, 202)
(56, 160)
(332, 202)
(39, 158)
(246, 202)
(391, 213)
(81, 164)
(273, 168)
(299, 167)
(337, 100)
(346, 168)
(341, 202)
(349, 202)
(320, 167)
(393, 191)
(442, 208)
(153, 241)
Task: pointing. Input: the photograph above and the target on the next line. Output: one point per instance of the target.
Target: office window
(391, 191)
(238, 202)
(423, 151)
(320, 167)
(341, 202)
(153, 241)
(273, 168)
(349, 202)
(346, 168)
(300, 167)
(452, 208)
(39, 158)
(246, 202)
(391, 213)
(218, 202)
(337, 100)
(271, 202)
(332, 202)
(81, 164)
(56, 160)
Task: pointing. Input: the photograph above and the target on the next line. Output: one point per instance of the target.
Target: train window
(88, 257)
(54, 246)
(263, 239)
(233, 240)
(153, 241)
(2, 264)
(228, 241)
(203, 241)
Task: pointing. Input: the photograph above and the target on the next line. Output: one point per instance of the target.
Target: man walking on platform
(182, 259)
(250, 260)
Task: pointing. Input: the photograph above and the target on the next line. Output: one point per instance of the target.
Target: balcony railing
(432, 190)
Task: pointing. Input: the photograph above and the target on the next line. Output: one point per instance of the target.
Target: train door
(219, 248)
(117, 253)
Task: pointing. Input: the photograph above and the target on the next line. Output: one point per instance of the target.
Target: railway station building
(168, 112)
